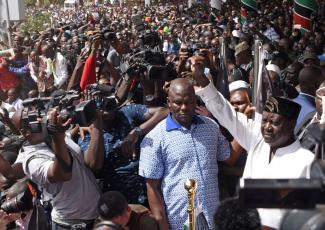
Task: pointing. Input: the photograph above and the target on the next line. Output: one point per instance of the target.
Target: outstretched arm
(152, 117)
(244, 130)
(94, 156)
(61, 168)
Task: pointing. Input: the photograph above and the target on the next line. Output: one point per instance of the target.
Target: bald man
(310, 79)
(182, 146)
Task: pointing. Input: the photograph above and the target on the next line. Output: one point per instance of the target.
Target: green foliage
(30, 2)
(43, 2)
(36, 22)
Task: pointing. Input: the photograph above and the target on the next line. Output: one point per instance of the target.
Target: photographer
(123, 130)
(89, 61)
(60, 169)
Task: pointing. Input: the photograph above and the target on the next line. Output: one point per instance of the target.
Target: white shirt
(75, 199)
(11, 110)
(59, 68)
(291, 161)
(17, 104)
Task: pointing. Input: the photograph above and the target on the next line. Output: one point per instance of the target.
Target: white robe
(288, 162)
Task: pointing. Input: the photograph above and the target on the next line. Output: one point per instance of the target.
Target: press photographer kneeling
(57, 165)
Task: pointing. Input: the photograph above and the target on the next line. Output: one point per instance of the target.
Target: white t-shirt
(17, 104)
(75, 199)
(11, 110)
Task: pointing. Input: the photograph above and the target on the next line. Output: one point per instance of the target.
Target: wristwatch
(139, 131)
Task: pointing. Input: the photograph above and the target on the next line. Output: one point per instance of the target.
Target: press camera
(19, 197)
(69, 106)
(151, 65)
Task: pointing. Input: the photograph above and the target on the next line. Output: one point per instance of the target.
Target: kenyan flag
(247, 5)
(302, 12)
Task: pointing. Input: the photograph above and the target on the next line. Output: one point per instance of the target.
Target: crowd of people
(109, 110)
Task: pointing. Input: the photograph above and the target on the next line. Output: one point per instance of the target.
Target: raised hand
(203, 111)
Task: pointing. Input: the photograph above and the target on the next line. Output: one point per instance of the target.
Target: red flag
(89, 73)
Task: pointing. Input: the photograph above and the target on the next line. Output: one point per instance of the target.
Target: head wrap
(282, 106)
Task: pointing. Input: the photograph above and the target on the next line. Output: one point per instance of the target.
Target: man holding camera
(58, 167)
(122, 130)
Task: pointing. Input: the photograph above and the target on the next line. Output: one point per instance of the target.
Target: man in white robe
(273, 151)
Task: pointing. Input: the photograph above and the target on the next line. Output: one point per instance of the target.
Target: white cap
(240, 84)
(274, 68)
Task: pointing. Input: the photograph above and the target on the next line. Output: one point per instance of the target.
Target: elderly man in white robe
(273, 151)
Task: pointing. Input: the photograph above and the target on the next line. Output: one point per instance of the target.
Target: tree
(36, 22)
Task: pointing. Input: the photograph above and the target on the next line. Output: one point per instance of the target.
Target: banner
(302, 13)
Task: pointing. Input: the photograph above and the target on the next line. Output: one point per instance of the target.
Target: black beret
(282, 106)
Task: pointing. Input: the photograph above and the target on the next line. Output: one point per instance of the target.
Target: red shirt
(89, 73)
(8, 79)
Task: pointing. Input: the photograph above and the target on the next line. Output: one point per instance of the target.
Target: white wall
(16, 10)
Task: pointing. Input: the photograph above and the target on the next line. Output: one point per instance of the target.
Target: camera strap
(47, 130)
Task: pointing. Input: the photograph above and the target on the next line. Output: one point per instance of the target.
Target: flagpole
(8, 23)
(256, 71)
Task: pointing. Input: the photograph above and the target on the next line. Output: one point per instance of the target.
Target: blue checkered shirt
(174, 154)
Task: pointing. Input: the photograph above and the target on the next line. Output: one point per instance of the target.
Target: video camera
(149, 61)
(103, 96)
(21, 197)
(69, 106)
(151, 64)
(149, 39)
(35, 112)
(105, 34)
